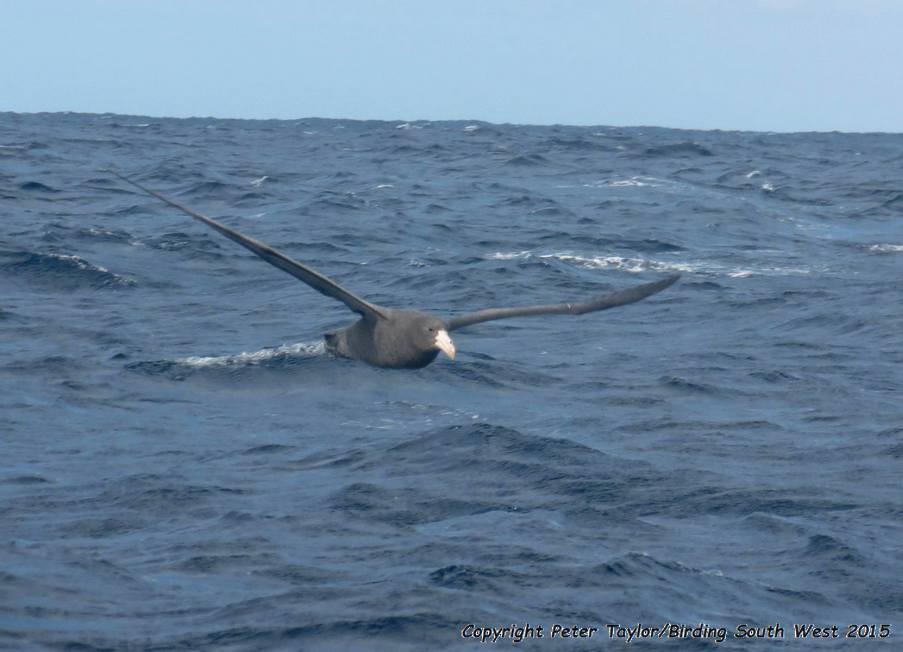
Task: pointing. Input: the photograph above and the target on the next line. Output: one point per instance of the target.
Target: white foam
(638, 265)
(767, 187)
(500, 255)
(632, 182)
(887, 248)
(471, 128)
(783, 271)
(634, 265)
(93, 230)
(626, 183)
(257, 182)
(752, 174)
(301, 349)
(104, 233)
(83, 264)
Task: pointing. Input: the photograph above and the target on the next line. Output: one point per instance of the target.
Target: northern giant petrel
(385, 337)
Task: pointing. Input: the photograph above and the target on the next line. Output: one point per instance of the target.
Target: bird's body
(409, 339)
(403, 339)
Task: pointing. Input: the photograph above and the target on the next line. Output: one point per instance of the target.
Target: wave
(279, 357)
(196, 243)
(686, 149)
(209, 189)
(527, 160)
(577, 144)
(638, 181)
(96, 233)
(60, 271)
(36, 186)
(638, 265)
(301, 349)
(886, 248)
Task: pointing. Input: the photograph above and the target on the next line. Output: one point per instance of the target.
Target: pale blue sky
(781, 65)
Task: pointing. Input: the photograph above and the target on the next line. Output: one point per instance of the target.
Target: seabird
(385, 337)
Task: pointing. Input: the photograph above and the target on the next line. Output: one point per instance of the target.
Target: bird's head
(434, 334)
(431, 334)
(412, 338)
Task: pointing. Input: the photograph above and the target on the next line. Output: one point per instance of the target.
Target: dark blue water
(184, 468)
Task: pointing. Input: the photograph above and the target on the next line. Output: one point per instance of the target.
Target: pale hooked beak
(443, 341)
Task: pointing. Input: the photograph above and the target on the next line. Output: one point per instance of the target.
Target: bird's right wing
(620, 298)
(314, 279)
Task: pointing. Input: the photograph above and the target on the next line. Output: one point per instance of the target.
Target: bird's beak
(443, 341)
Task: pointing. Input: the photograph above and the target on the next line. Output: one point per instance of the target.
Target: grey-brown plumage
(384, 337)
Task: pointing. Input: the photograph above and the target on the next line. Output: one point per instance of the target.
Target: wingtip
(666, 282)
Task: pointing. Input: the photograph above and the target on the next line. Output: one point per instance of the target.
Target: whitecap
(501, 255)
(81, 263)
(638, 265)
(886, 248)
(301, 349)
(752, 174)
(634, 265)
(632, 182)
(258, 182)
(595, 262)
(71, 263)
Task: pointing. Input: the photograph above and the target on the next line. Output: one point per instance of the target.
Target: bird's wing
(314, 279)
(620, 298)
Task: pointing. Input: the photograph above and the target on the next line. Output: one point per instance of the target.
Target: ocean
(185, 467)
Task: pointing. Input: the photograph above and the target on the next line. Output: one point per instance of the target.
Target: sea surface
(185, 468)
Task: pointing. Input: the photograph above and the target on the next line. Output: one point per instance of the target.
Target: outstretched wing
(314, 279)
(621, 298)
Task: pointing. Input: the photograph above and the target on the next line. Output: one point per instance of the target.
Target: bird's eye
(431, 329)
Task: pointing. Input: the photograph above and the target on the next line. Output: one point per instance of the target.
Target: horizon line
(402, 121)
